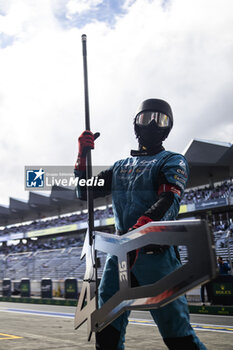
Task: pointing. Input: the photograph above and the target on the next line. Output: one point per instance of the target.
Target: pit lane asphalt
(40, 327)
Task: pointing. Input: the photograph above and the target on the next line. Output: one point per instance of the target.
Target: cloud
(77, 7)
(179, 50)
(6, 40)
(78, 13)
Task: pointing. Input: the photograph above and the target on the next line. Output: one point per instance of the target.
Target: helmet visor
(145, 118)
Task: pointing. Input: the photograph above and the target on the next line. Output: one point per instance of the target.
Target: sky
(177, 50)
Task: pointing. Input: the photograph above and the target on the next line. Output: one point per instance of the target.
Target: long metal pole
(90, 198)
(90, 204)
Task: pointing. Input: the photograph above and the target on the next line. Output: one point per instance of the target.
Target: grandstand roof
(208, 161)
(61, 201)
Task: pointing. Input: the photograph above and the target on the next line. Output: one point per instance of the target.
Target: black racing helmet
(154, 113)
(156, 105)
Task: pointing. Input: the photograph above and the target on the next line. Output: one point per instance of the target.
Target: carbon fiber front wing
(200, 268)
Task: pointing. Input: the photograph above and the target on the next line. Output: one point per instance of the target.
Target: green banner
(71, 288)
(25, 289)
(52, 230)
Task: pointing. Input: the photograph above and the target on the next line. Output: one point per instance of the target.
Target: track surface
(40, 327)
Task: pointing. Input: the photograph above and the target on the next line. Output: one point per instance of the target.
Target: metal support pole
(90, 199)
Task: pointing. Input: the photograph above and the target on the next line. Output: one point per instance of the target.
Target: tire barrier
(6, 287)
(46, 288)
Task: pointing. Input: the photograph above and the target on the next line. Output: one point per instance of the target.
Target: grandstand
(43, 238)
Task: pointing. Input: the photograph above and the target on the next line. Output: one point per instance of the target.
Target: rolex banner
(71, 288)
(222, 289)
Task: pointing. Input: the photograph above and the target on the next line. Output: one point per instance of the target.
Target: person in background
(224, 267)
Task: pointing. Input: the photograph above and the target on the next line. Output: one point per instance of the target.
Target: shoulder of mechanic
(175, 170)
(176, 161)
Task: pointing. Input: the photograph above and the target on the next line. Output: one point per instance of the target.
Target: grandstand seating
(60, 221)
(219, 190)
(59, 259)
(223, 190)
(55, 264)
(62, 263)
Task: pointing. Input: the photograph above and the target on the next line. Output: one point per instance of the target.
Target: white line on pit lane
(135, 321)
(38, 313)
(196, 326)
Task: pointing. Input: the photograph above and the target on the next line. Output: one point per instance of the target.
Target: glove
(143, 220)
(85, 143)
(133, 255)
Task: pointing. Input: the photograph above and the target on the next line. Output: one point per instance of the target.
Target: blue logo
(35, 178)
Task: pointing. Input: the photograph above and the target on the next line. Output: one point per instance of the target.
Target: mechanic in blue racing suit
(145, 187)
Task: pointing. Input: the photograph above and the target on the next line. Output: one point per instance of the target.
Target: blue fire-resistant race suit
(135, 183)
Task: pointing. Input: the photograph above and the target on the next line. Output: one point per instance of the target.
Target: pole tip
(84, 37)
